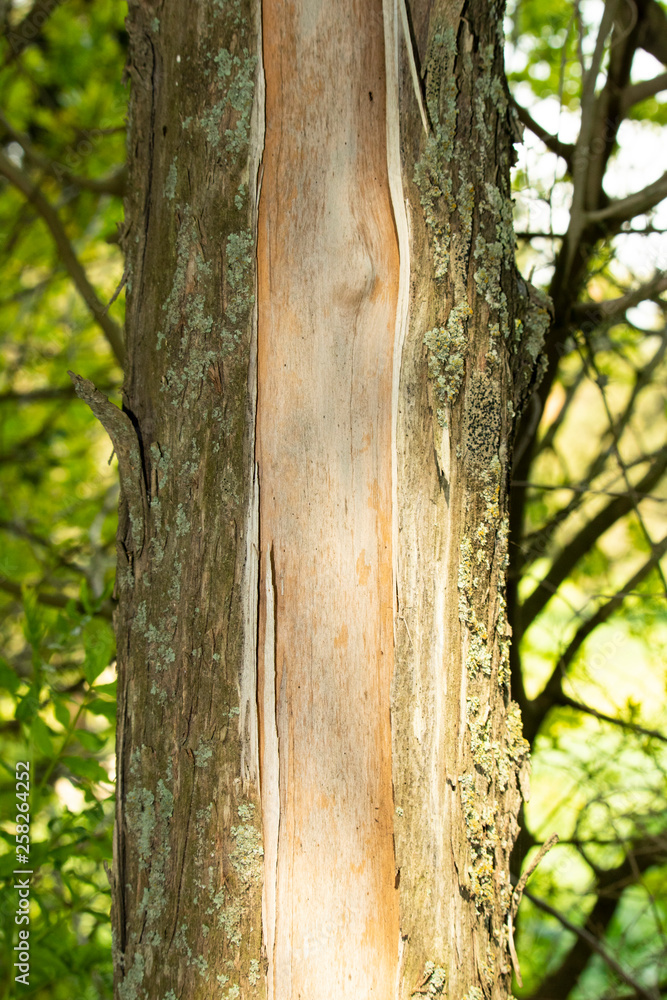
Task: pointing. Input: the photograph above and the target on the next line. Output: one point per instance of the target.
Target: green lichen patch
(247, 857)
(229, 919)
(160, 639)
(239, 259)
(253, 974)
(203, 753)
(140, 813)
(483, 839)
(130, 987)
(431, 174)
(236, 77)
(490, 257)
(474, 993)
(446, 347)
(432, 982)
(516, 749)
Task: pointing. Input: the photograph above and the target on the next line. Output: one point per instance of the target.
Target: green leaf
(99, 706)
(110, 689)
(86, 767)
(34, 627)
(8, 678)
(41, 736)
(27, 706)
(92, 742)
(61, 712)
(98, 643)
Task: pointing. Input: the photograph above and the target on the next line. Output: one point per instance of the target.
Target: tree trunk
(327, 348)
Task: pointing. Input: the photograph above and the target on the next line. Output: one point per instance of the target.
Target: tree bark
(327, 350)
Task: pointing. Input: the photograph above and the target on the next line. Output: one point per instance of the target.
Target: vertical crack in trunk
(270, 775)
(401, 223)
(248, 716)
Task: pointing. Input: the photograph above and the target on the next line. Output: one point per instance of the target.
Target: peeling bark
(327, 292)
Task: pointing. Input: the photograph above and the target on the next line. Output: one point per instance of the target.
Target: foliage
(61, 97)
(588, 602)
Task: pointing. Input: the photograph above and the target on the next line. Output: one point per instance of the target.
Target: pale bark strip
(328, 284)
(248, 715)
(400, 208)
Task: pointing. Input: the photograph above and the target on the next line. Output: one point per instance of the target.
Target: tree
(316, 612)
(222, 284)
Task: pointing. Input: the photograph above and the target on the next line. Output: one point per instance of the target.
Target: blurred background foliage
(587, 587)
(62, 130)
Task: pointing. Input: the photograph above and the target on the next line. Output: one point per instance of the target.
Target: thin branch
(623, 209)
(30, 191)
(520, 887)
(606, 610)
(21, 531)
(552, 142)
(52, 600)
(617, 452)
(640, 91)
(582, 155)
(114, 184)
(564, 701)
(594, 945)
(522, 234)
(610, 309)
(46, 393)
(583, 489)
(565, 562)
(571, 390)
(643, 379)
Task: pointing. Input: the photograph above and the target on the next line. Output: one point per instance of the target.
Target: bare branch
(552, 142)
(538, 539)
(51, 600)
(114, 184)
(610, 309)
(581, 161)
(594, 945)
(522, 234)
(21, 531)
(520, 887)
(565, 562)
(47, 393)
(552, 695)
(583, 489)
(564, 701)
(640, 91)
(623, 209)
(124, 438)
(30, 191)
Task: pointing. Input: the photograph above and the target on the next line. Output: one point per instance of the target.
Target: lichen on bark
(188, 841)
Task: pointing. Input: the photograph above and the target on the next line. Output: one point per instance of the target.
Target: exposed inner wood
(327, 293)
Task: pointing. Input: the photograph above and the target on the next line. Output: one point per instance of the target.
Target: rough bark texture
(329, 623)
(188, 856)
(457, 744)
